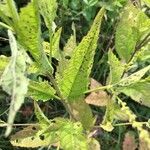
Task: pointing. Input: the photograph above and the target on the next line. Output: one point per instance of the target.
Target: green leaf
(147, 2)
(3, 63)
(86, 118)
(139, 92)
(116, 68)
(72, 136)
(14, 81)
(31, 136)
(127, 33)
(109, 116)
(29, 35)
(54, 45)
(71, 43)
(68, 134)
(48, 10)
(4, 8)
(75, 78)
(133, 78)
(43, 120)
(41, 91)
(94, 144)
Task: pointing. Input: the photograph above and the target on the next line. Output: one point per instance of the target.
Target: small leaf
(94, 144)
(110, 115)
(30, 137)
(29, 35)
(48, 10)
(116, 68)
(41, 91)
(72, 137)
(14, 81)
(86, 118)
(4, 8)
(126, 30)
(133, 78)
(147, 2)
(129, 142)
(3, 63)
(54, 45)
(143, 145)
(139, 92)
(71, 43)
(99, 98)
(43, 120)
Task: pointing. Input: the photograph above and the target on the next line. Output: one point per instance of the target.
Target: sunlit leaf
(41, 91)
(48, 10)
(139, 92)
(74, 81)
(133, 78)
(4, 8)
(31, 137)
(3, 63)
(147, 2)
(14, 81)
(94, 144)
(116, 68)
(29, 35)
(43, 120)
(86, 118)
(126, 29)
(71, 43)
(72, 137)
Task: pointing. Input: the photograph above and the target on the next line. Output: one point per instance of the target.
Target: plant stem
(127, 123)
(99, 88)
(60, 95)
(5, 26)
(29, 124)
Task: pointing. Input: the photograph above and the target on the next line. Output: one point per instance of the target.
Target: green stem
(6, 26)
(60, 95)
(29, 124)
(127, 123)
(99, 88)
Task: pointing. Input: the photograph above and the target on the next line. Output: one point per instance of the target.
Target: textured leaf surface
(3, 63)
(75, 78)
(133, 78)
(48, 10)
(31, 137)
(72, 137)
(139, 92)
(126, 30)
(99, 98)
(41, 91)
(147, 2)
(4, 8)
(116, 68)
(29, 34)
(86, 118)
(14, 81)
(71, 43)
